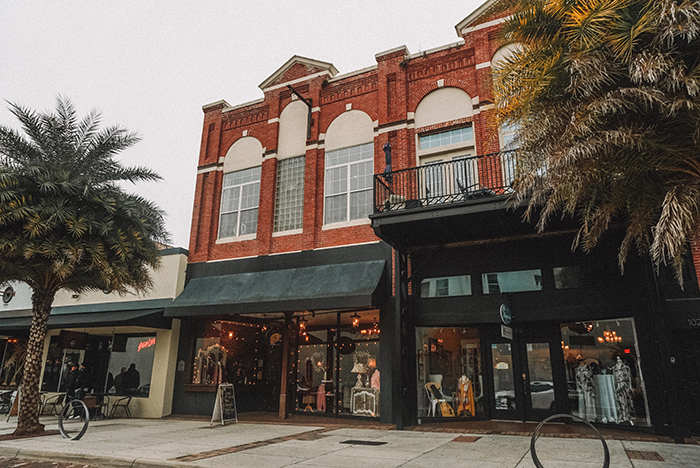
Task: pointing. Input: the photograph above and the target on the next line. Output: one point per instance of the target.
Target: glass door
(538, 381)
(528, 382)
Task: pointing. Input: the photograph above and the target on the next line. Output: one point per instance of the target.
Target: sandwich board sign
(225, 405)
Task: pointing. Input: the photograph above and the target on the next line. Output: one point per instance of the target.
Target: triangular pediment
(476, 17)
(298, 68)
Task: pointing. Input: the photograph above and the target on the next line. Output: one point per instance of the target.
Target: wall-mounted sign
(506, 332)
(506, 316)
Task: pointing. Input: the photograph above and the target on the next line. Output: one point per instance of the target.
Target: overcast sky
(151, 66)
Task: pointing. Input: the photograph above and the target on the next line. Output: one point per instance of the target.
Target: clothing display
(375, 380)
(605, 393)
(465, 397)
(210, 365)
(623, 391)
(321, 398)
(586, 392)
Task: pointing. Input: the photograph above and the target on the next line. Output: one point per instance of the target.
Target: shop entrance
(527, 375)
(688, 359)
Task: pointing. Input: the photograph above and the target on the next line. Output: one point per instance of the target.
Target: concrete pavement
(189, 443)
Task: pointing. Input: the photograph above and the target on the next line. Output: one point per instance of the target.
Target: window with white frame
(289, 203)
(348, 194)
(449, 137)
(240, 197)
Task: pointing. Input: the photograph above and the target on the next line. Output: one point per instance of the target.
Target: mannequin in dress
(465, 397)
(586, 391)
(623, 391)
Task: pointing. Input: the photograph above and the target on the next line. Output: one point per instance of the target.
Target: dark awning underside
(147, 313)
(334, 286)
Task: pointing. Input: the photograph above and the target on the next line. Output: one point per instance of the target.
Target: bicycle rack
(533, 453)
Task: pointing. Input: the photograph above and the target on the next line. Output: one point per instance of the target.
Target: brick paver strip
(309, 435)
(466, 439)
(642, 455)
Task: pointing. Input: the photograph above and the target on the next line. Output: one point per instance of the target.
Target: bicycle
(73, 419)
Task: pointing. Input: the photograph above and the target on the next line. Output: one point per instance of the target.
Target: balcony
(462, 200)
(445, 183)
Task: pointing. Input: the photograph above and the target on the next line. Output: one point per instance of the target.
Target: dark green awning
(336, 286)
(146, 313)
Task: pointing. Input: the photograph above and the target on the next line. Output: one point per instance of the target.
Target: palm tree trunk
(28, 418)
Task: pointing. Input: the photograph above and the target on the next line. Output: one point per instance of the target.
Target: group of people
(127, 382)
(80, 381)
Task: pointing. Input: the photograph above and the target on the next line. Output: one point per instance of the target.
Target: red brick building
(300, 255)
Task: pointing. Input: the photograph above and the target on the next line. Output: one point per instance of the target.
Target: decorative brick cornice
(438, 64)
(342, 90)
(245, 117)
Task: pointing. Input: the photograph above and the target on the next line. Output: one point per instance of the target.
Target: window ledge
(291, 232)
(226, 240)
(354, 222)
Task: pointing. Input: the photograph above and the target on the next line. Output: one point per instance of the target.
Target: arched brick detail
(260, 136)
(330, 117)
(419, 94)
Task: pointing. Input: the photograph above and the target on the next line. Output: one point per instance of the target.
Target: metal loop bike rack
(535, 435)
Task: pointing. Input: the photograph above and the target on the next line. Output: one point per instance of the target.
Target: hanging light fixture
(302, 327)
(355, 321)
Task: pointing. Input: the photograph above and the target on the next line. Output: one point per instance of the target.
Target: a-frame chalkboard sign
(225, 405)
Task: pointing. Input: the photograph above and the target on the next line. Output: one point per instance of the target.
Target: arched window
(349, 168)
(240, 193)
(445, 144)
(291, 149)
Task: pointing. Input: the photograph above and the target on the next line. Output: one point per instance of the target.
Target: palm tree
(607, 97)
(67, 223)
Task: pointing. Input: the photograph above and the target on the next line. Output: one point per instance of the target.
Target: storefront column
(284, 384)
(398, 356)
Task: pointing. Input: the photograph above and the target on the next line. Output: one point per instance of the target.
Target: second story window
(449, 137)
(348, 193)
(239, 203)
(289, 203)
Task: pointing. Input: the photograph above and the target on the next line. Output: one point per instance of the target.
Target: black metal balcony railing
(455, 181)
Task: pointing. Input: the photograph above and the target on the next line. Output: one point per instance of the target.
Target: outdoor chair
(121, 403)
(53, 402)
(98, 403)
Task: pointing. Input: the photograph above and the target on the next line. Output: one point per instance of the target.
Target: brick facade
(388, 93)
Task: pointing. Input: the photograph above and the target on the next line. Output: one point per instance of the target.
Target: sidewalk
(195, 443)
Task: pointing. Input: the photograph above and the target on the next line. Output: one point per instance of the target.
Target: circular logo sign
(506, 316)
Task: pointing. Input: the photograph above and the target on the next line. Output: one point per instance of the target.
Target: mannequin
(465, 397)
(586, 391)
(623, 391)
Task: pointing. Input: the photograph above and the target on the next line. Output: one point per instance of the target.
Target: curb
(92, 460)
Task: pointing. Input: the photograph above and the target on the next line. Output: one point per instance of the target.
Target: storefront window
(512, 281)
(227, 352)
(131, 365)
(14, 352)
(446, 286)
(359, 378)
(603, 372)
(337, 371)
(119, 364)
(314, 373)
(450, 379)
